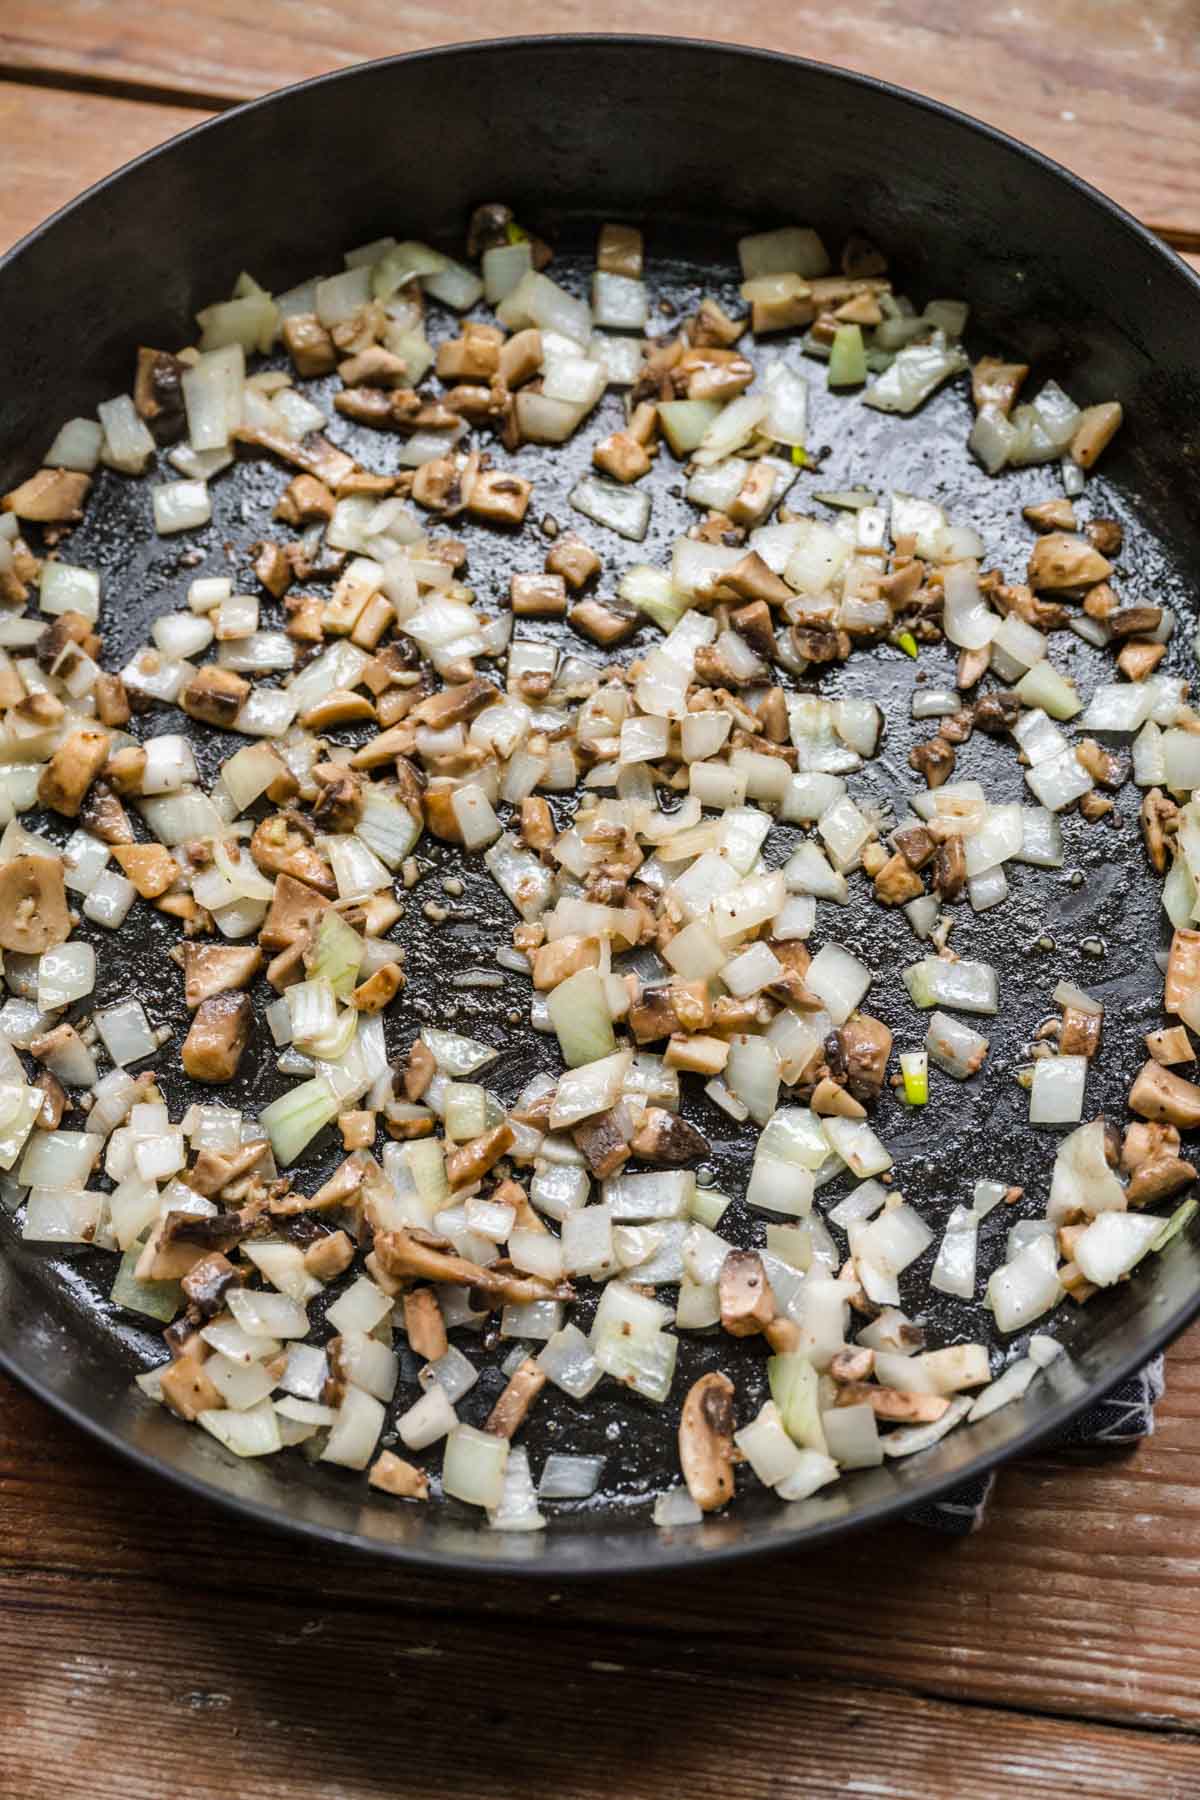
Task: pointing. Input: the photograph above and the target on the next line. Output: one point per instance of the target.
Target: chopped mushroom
(892, 1404)
(1159, 820)
(215, 696)
(667, 1140)
(866, 1044)
(422, 1256)
(51, 497)
(1157, 1094)
(934, 760)
(70, 772)
(151, 868)
(1182, 983)
(210, 969)
(392, 1475)
(330, 1256)
(219, 1033)
(747, 1303)
(424, 1324)
(706, 1449)
(1061, 560)
(1170, 1045)
(511, 1409)
(33, 905)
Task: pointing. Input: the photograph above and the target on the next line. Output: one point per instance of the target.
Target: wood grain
(258, 1698)
(1112, 90)
(56, 144)
(1078, 1599)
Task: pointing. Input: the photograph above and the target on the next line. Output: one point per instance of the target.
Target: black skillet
(696, 143)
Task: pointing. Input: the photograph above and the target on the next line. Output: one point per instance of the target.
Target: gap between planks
(233, 1698)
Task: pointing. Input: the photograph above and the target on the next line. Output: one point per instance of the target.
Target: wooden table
(149, 1649)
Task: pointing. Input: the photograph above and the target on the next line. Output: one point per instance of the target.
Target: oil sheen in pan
(977, 1130)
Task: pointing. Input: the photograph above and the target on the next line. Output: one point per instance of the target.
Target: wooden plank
(56, 144)
(111, 1695)
(1079, 1597)
(1112, 91)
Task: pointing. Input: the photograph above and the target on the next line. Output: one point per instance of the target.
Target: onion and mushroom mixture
(624, 799)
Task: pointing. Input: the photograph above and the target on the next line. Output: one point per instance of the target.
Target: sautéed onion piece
(711, 815)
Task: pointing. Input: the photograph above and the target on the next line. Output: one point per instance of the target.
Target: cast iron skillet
(697, 142)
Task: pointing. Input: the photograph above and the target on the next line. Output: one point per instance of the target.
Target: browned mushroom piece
(1063, 560)
(573, 559)
(622, 457)
(219, 1033)
(210, 969)
(309, 345)
(853, 1365)
(419, 1070)
(892, 1404)
(295, 910)
(208, 1281)
(151, 867)
(934, 760)
(330, 1256)
(1158, 1178)
(472, 1161)
(1080, 1033)
(605, 622)
(916, 845)
(158, 391)
(54, 1101)
(215, 696)
(897, 881)
(817, 641)
(538, 832)
(499, 497)
(424, 1324)
(213, 1173)
(70, 772)
(1159, 821)
(1093, 805)
(1051, 515)
(33, 905)
(186, 1390)
(511, 1409)
(950, 868)
(1183, 970)
(51, 497)
(421, 1256)
(747, 1303)
(392, 1475)
(538, 596)
(314, 454)
(1157, 1094)
(1103, 767)
(280, 846)
(1095, 430)
(379, 989)
(996, 383)
(1170, 1045)
(830, 1100)
(866, 1044)
(305, 501)
(706, 1451)
(667, 1140)
(604, 1141)
(103, 815)
(1135, 621)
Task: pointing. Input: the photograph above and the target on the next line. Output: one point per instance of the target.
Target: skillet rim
(644, 1550)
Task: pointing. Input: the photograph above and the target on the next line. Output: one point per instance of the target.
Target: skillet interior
(697, 135)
